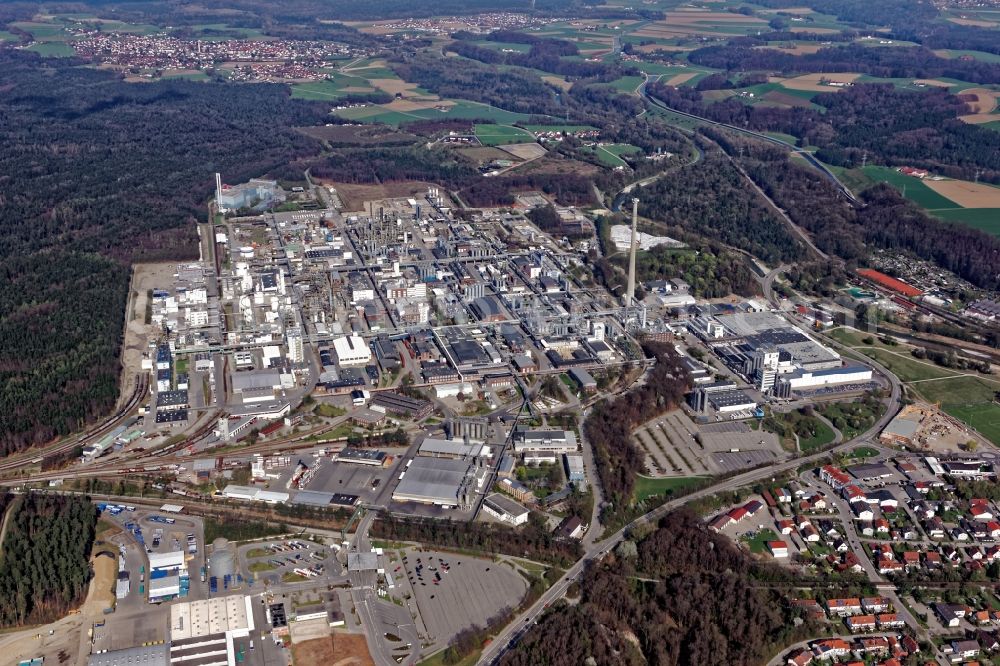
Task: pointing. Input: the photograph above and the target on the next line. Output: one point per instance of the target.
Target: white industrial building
(352, 350)
(848, 374)
(250, 494)
(453, 448)
(166, 587)
(166, 561)
(548, 441)
(504, 508)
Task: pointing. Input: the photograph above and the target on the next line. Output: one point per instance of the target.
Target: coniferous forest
(96, 173)
(46, 548)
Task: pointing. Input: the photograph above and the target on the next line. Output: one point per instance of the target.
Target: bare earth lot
(353, 196)
(966, 194)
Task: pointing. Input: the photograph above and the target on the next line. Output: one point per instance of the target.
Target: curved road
(596, 551)
(763, 137)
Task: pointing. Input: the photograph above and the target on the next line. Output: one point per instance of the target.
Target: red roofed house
(720, 522)
(858, 623)
(842, 607)
(889, 621)
(835, 477)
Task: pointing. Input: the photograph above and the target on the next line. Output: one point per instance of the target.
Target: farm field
(498, 135)
(52, 49)
(978, 55)
(559, 128)
(337, 85)
(627, 84)
(974, 204)
(461, 109)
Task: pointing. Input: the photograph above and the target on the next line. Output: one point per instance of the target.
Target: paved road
(597, 550)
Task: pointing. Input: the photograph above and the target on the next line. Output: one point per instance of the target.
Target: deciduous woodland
(611, 422)
(677, 595)
(886, 221)
(46, 548)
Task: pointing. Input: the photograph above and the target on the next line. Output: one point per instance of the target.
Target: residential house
(843, 607)
(859, 623)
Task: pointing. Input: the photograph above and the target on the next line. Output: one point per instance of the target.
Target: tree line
(545, 54)
(534, 540)
(877, 122)
(916, 62)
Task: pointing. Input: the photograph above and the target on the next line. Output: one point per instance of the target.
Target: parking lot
(677, 446)
(456, 591)
(288, 561)
(332, 476)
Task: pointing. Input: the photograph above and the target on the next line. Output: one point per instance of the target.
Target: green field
(864, 452)
(8, 36)
(498, 135)
(907, 368)
(758, 544)
(627, 83)
(190, 76)
(331, 88)
(913, 188)
(978, 55)
(824, 435)
(984, 418)
(41, 31)
(969, 399)
(611, 154)
(646, 487)
(917, 191)
(984, 219)
(462, 109)
(52, 49)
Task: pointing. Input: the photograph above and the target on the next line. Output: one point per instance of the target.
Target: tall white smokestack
(633, 246)
(218, 192)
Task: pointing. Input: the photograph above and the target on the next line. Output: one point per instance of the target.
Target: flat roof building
(352, 350)
(452, 448)
(362, 457)
(504, 508)
(441, 481)
(553, 441)
(146, 655)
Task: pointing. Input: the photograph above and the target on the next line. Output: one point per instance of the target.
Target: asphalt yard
(456, 591)
(677, 446)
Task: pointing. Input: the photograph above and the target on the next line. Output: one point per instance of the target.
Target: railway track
(91, 435)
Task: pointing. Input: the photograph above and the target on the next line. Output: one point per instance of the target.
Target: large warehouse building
(442, 481)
